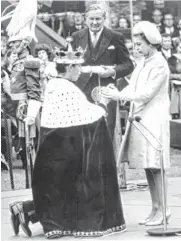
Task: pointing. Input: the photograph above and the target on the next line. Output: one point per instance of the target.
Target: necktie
(94, 39)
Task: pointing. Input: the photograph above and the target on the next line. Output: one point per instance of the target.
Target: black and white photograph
(90, 120)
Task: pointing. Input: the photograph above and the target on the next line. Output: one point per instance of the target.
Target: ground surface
(136, 206)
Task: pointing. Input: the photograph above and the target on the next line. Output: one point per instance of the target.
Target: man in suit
(157, 17)
(104, 47)
(169, 27)
(166, 46)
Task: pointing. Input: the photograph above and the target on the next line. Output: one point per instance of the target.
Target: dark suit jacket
(172, 52)
(174, 34)
(112, 51)
(116, 55)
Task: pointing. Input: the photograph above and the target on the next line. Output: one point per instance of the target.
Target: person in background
(168, 25)
(148, 94)
(123, 23)
(166, 46)
(68, 26)
(179, 27)
(8, 61)
(159, 4)
(79, 21)
(136, 18)
(157, 17)
(47, 67)
(114, 20)
(175, 77)
(4, 42)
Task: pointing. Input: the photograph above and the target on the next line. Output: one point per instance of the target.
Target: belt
(19, 96)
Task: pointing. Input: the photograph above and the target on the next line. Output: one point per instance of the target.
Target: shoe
(18, 217)
(155, 222)
(23, 219)
(159, 221)
(14, 218)
(144, 221)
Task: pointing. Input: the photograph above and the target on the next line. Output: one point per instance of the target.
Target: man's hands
(107, 72)
(102, 71)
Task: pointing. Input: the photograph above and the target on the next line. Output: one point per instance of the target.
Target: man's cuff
(114, 76)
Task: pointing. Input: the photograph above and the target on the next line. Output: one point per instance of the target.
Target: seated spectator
(136, 18)
(4, 40)
(6, 69)
(9, 60)
(166, 46)
(158, 4)
(168, 25)
(123, 23)
(47, 68)
(68, 26)
(157, 17)
(79, 21)
(114, 20)
(175, 78)
(179, 27)
(44, 14)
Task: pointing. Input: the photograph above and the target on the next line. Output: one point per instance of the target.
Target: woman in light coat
(148, 93)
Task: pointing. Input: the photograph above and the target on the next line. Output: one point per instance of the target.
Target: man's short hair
(94, 7)
(167, 13)
(166, 35)
(157, 10)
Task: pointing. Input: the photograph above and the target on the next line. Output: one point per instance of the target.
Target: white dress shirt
(95, 36)
(169, 30)
(167, 53)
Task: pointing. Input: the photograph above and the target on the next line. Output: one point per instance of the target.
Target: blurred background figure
(68, 26)
(47, 67)
(114, 20)
(123, 23)
(79, 21)
(9, 60)
(169, 27)
(159, 4)
(157, 17)
(136, 18)
(175, 78)
(166, 45)
(179, 27)
(4, 40)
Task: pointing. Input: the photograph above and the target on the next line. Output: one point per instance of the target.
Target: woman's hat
(150, 31)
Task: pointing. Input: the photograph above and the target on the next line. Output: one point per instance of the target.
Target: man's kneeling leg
(21, 214)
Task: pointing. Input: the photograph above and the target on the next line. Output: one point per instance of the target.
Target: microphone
(136, 118)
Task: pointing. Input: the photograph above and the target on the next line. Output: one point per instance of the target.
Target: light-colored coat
(149, 91)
